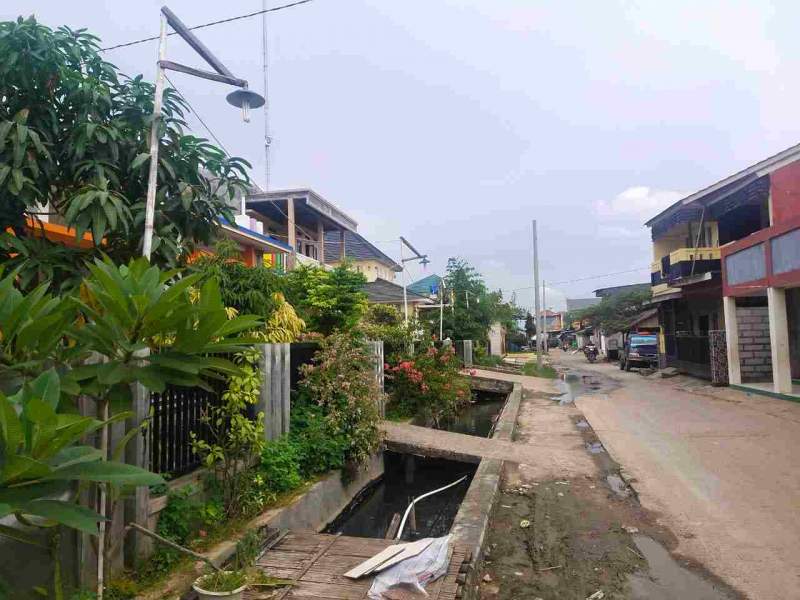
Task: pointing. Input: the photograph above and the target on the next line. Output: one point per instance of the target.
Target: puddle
(574, 384)
(617, 485)
(405, 477)
(595, 447)
(667, 579)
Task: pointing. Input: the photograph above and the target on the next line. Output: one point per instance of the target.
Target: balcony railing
(683, 263)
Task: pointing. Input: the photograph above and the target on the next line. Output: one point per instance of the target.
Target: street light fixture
(242, 98)
(422, 258)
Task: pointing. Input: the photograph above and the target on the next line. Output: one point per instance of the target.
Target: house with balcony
(300, 218)
(363, 256)
(698, 260)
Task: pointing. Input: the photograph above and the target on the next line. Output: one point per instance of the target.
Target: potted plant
(221, 584)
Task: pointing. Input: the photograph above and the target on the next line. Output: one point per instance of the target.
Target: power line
(199, 118)
(221, 21)
(530, 287)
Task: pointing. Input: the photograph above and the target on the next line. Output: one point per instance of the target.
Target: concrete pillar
(342, 250)
(291, 231)
(321, 244)
(732, 340)
(779, 341)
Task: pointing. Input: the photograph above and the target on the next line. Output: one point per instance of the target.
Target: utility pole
(423, 260)
(536, 305)
(544, 318)
(267, 138)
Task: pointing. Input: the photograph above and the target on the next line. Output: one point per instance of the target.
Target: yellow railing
(686, 254)
(655, 267)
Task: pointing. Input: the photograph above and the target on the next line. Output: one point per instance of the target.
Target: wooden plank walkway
(318, 561)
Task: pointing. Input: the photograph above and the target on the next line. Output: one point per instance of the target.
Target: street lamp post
(242, 98)
(422, 258)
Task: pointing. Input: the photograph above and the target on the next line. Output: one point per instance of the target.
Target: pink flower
(425, 388)
(386, 366)
(473, 372)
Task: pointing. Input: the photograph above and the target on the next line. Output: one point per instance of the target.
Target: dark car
(639, 350)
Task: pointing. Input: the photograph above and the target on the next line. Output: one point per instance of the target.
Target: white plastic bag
(408, 579)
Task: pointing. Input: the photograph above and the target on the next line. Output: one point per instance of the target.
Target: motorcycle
(590, 350)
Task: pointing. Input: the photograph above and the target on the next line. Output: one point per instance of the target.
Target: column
(321, 244)
(291, 231)
(732, 340)
(342, 251)
(779, 341)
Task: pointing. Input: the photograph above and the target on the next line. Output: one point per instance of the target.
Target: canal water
(406, 477)
(478, 417)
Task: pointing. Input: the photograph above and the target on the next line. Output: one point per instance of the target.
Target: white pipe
(415, 500)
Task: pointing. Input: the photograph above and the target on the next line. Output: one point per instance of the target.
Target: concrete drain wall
(472, 520)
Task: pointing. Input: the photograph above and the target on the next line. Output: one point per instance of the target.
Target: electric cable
(210, 24)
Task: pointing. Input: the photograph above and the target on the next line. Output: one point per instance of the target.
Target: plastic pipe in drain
(425, 495)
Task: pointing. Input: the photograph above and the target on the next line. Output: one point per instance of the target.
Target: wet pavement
(718, 466)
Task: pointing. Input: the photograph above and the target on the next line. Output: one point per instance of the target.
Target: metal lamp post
(242, 98)
(422, 258)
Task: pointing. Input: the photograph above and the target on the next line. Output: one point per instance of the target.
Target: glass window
(746, 265)
(786, 252)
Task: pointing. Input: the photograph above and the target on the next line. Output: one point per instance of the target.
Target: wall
(372, 270)
(785, 193)
(754, 346)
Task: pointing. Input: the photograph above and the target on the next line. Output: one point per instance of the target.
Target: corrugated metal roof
(732, 183)
(425, 285)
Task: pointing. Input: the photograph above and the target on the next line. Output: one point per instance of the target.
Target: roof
(356, 248)
(305, 200)
(581, 303)
(381, 291)
(258, 238)
(733, 183)
(621, 289)
(426, 285)
(644, 316)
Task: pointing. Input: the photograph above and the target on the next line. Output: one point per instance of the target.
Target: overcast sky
(455, 123)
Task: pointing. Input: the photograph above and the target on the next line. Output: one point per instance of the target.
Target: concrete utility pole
(536, 305)
(423, 260)
(544, 318)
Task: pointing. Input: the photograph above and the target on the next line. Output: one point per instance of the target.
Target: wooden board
(319, 561)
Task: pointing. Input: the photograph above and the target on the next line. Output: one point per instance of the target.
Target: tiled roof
(356, 248)
(386, 292)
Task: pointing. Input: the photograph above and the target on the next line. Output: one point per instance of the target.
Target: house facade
(724, 273)
(362, 256)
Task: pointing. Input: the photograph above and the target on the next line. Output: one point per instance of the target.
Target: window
(786, 252)
(746, 265)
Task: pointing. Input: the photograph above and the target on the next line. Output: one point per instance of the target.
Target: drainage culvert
(378, 509)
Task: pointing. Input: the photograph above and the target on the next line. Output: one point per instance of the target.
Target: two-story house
(735, 219)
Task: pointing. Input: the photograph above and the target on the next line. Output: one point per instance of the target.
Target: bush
(531, 369)
(342, 382)
(429, 385)
(319, 447)
(280, 465)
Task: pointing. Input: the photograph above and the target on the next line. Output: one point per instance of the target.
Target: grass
(532, 369)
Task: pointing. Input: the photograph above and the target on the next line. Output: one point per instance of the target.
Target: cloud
(637, 203)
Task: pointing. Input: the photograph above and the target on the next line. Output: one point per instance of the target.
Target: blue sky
(455, 123)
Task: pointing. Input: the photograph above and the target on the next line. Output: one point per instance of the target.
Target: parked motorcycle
(590, 350)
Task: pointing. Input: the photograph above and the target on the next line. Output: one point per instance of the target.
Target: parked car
(639, 350)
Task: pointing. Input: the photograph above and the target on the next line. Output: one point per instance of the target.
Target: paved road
(721, 467)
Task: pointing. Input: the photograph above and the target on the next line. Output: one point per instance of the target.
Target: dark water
(405, 477)
(478, 418)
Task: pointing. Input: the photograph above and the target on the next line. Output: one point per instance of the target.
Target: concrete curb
(472, 520)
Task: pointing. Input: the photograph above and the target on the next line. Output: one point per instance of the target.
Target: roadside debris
(598, 595)
(525, 523)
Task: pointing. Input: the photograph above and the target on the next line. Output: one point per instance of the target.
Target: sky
(455, 123)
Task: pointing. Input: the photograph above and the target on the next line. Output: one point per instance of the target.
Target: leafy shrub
(532, 369)
(319, 447)
(180, 518)
(428, 385)
(385, 322)
(280, 465)
(327, 300)
(342, 382)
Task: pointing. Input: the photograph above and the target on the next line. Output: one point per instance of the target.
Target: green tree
(472, 308)
(74, 144)
(615, 313)
(327, 300)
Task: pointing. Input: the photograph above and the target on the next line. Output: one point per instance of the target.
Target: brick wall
(754, 348)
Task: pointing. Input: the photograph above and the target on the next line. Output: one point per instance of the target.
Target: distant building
(427, 286)
(364, 257)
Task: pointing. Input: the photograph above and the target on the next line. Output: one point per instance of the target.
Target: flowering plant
(429, 385)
